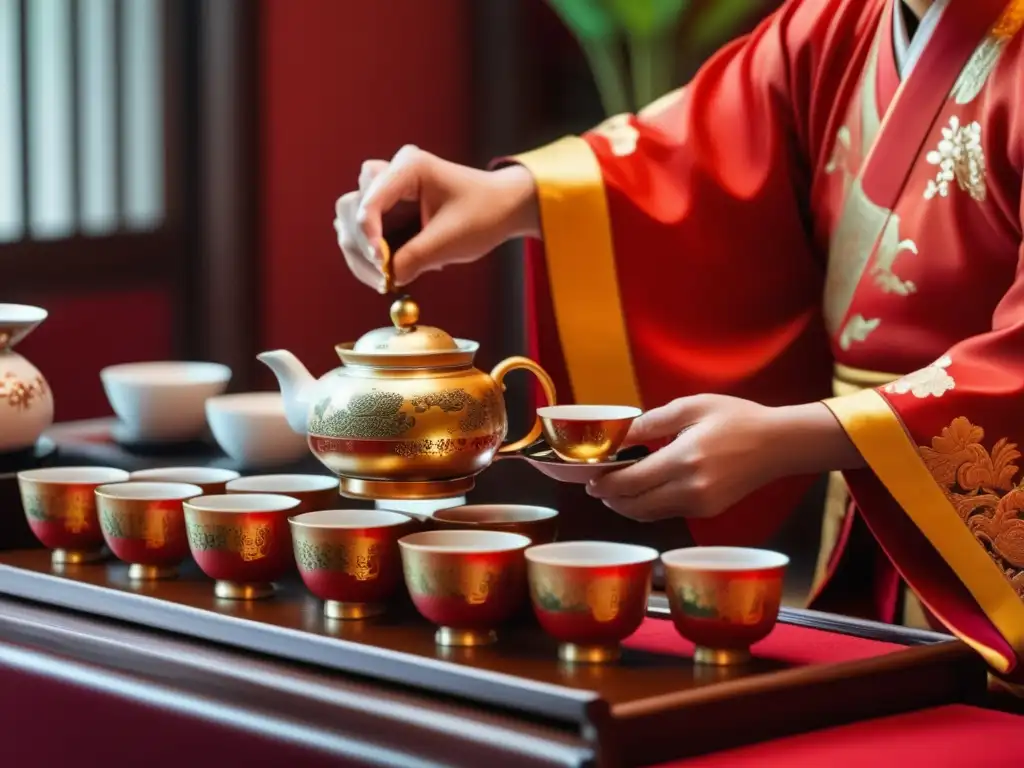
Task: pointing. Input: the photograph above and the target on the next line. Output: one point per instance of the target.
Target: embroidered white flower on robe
(959, 157)
(931, 381)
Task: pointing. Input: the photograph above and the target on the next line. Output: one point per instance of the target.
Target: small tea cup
(590, 595)
(586, 434)
(242, 541)
(60, 504)
(539, 524)
(349, 558)
(211, 479)
(724, 599)
(466, 582)
(144, 525)
(312, 491)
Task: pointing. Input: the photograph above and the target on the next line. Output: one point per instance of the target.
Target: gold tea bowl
(313, 492)
(242, 541)
(349, 558)
(144, 525)
(539, 524)
(590, 595)
(724, 599)
(466, 582)
(60, 504)
(587, 434)
(211, 479)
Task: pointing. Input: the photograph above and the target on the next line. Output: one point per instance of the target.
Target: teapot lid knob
(405, 313)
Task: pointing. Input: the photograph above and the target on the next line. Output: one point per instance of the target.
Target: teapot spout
(296, 384)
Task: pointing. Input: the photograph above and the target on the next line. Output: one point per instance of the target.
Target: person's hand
(465, 213)
(720, 450)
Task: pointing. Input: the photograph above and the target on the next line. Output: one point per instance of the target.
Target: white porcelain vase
(26, 403)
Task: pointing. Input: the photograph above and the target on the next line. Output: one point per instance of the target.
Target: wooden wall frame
(226, 276)
(205, 254)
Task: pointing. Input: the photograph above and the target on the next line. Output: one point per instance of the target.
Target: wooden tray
(649, 707)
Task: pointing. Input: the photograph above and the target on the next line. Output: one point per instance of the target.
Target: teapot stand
(399, 490)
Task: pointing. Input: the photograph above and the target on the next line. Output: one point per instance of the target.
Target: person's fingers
(421, 253)
(666, 421)
(369, 171)
(352, 244)
(648, 473)
(665, 500)
(399, 181)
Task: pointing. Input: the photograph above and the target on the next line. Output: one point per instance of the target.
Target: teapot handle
(501, 370)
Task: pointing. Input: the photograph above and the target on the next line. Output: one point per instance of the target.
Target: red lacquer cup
(466, 582)
(590, 595)
(724, 599)
(242, 541)
(144, 525)
(212, 480)
(313, 491)
(539, 524)
(60, 504)
(349, 558)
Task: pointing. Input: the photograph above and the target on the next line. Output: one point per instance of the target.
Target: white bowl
(252, 429)
(163, 400)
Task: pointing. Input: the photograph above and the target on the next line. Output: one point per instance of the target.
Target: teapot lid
(406, 335)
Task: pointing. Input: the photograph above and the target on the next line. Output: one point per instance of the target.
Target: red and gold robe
(798, 222)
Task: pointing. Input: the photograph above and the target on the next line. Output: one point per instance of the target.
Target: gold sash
(847, 381)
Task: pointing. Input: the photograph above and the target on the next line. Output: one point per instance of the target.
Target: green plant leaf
(718, 21)
(643, 18)
(586, 19)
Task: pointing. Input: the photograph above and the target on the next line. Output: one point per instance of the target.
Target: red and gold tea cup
(213, 480)
(539, 524)
(349, 558)
(60, 504)
(590, 595)
(466, 582)
(586, 434)
(144, 525)
(242, 541)
(312, 491)
(724, 599)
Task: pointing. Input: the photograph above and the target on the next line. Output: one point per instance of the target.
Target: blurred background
(168, 168)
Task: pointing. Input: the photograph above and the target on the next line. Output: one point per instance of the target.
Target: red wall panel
(88, 331)
(343, 82)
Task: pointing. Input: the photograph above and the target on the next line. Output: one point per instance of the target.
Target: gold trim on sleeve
(880, 437)
(584, 284)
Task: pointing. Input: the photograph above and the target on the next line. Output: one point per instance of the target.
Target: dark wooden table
(84, 678)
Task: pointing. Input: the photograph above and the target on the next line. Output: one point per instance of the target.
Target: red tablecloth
(953, 736)
(796, 645)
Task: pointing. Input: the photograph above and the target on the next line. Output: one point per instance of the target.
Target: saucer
(129, 439)
(543, 458)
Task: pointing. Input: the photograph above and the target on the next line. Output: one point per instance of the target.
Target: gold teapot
(406, 416)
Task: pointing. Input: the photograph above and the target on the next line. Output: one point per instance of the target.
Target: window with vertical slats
(82, 146)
